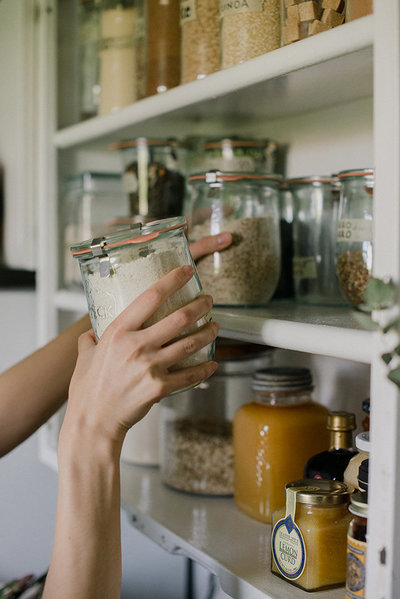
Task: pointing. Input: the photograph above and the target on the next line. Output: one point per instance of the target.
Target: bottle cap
(320, 491)
(363, 475)
(341, 421)
(363, 442)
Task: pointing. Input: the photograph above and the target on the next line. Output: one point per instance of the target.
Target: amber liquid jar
(274, 436)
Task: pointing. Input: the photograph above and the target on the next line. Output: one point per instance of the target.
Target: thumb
(86, 340)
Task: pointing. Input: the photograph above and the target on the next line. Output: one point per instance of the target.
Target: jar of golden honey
(274, 436)
(309, 534)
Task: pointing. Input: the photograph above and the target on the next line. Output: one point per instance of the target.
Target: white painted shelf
(209, 530)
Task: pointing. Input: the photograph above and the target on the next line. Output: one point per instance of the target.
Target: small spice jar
(357, 539)
(303, 18)
(246, 205)
(200, 39)
(354, 249)
(309, 535)
(153, 177)
(196, 425)
(274, 436)
(314, 234)
(351, 473)
(117, 268)
(89, 35)
(356, 9)
(248, 29)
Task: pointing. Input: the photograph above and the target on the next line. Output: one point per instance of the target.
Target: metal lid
(363, 442)
(143, 142)
(282, 379)
(341, 421)
(321, 491)
(239, 358)
(215, 176)
(315, 179)
(137, 233)
(359, 504)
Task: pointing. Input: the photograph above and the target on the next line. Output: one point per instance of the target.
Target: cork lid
(341, 421)
(320, 491)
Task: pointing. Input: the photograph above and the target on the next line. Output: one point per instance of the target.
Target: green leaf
(391, 325)
(394, 375)
(379, 294)
(387, 358)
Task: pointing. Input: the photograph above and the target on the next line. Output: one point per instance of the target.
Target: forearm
(86, 558)
(37, 386)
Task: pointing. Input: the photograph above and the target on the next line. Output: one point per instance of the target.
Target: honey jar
(309, 534)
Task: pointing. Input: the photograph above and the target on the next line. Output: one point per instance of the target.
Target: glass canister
(121, 25)
(274, 436)
(285, 287)
(309, 535)
(249, 29)
(162, 46)
(354, 250)
(117, 268)
(246, 205)
(303, 18)
(90, 202)
(196, 446)
(355, 9)
(89, 35)
(153, 177)
(200, 39)
(314, 234)
(357, 546)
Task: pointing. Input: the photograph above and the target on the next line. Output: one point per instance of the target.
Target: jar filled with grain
(303, 18)
(89, 35)
(246, 205)
(196, 426)
(315, 220)
(200, 39)
(355, 9)
(248, 29)
(354, 250)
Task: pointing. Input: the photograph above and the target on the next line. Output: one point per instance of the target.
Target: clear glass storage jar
(153, 177)
(196, 440)
(249, 29)
(200, 39)
(274, 436)
(309, 534)
(354, 250)
(246, 205)
(89, 36)
(285, 287)
(90, 202)
(117, 268)
(314, 233)
(303, 18)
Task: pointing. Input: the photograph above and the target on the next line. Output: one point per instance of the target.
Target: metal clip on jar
(246, 205)
(354, 250)
(116, 269)
(303, 18)
(309, 535)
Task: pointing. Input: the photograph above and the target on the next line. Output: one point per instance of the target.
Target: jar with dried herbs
(200, 39)
(248, 29)
(354, 250)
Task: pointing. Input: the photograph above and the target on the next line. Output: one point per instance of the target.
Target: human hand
(117, 379)
(210, 244)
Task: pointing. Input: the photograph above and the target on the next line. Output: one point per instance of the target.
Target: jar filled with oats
(248, 28)
(354, 250)
(246, 205)
(303, 18)
(200, 39)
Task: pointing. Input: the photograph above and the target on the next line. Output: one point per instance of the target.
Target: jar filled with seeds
(354, 250)
(303, 18)
(246, 205)
(196, 426)
(200, 39)
(314, 234)
(248, 29)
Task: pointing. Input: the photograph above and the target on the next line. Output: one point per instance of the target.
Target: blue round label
(288, 548)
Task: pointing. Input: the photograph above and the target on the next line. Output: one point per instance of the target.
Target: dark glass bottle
(331, 464)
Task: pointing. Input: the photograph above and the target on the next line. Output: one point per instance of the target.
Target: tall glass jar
(357, 546)
(273, 438)
(162, 46)
(248, 29)
(303, 18)
(89, 35)
(153, 177)
(117, 268)
(285, 288)
(314, 235)
(200, 39)
(354, 250)
(196, 426)
(246, 205)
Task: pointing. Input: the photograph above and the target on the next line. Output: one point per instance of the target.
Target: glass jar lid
(230, 142)
(358, 172)
(220, 177)
(311, 179)
(320, 491)
(359, 504)
(281, 379)
(341, 421)
(137, 233)
(141, 142)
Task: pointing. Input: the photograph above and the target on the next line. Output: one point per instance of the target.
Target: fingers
(210, 244)
(187, 377)
(86, 340)
(187, 346)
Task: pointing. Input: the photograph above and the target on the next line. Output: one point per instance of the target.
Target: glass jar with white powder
(117, 268)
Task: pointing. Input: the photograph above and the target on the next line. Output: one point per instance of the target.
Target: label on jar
(355, 568)
(187, 11)
(287, 543)
(354, 229)
(237, 6)
(304, 268)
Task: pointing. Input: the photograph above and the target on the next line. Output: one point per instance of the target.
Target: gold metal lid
(341, 421)
(321, 491)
